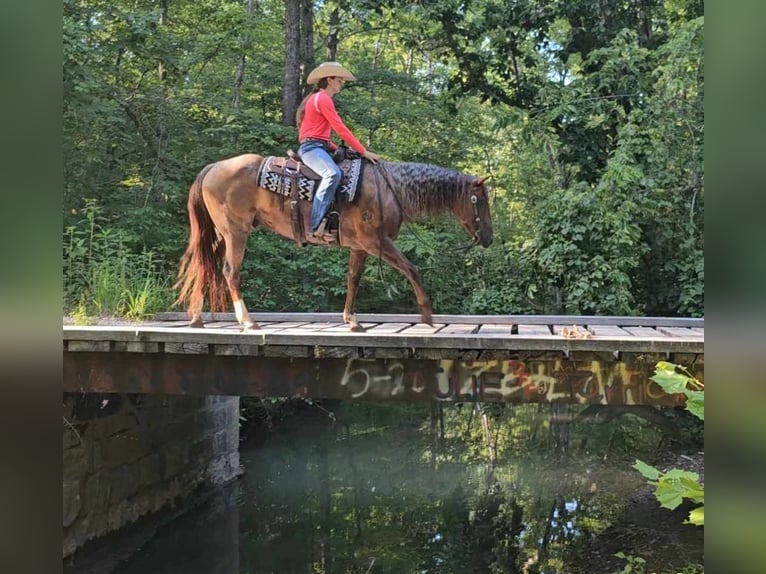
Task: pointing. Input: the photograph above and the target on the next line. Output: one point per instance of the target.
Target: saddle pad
(272, 177)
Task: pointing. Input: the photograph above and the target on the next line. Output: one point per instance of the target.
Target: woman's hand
(373, 157)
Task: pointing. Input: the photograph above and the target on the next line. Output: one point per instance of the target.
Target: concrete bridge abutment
(126, 456)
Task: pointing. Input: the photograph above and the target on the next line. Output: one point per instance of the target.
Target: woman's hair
(301, 111)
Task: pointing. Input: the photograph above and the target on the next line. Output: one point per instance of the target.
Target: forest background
(588, 116)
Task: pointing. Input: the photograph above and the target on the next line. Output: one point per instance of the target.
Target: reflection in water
(414, 488)
(206, 539)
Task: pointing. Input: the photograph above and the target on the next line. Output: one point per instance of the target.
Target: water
(391, 488)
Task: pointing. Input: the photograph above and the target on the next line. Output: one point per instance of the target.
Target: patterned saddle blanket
(277, 174)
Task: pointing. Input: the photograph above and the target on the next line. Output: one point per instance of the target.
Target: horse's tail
(200, 264)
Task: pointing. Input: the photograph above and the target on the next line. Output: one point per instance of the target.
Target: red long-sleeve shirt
(320, 116)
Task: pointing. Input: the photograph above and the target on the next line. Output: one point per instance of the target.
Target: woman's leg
(320, 161)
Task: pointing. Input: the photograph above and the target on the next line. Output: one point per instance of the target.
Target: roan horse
(226, 204)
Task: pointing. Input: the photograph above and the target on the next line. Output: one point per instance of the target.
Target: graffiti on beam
(506, 381)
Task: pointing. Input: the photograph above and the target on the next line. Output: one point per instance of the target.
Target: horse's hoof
(357, 329)
(198, 324)
(250, 327)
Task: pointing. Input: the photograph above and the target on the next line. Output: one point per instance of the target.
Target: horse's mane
(424, 189)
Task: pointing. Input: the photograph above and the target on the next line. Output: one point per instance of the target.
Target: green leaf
(670, 381)
(670, 495)
(695, 403)
(680, 475)
(647, 470)
(697, 516)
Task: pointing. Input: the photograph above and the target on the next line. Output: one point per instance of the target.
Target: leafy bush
(673, 486)
(104, 274)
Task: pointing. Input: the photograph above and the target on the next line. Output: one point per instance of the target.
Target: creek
(368, 488)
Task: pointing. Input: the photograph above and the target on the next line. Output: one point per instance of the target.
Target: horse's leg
(355, 267)
(398, 261)
(235, 253)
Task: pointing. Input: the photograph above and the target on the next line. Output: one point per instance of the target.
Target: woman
(316, 117)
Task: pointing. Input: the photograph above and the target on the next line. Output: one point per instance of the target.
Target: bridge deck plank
(457, 337)
(608, 331)
(681, 332)
(459, 329)
(283, 325)
(536, 330)
(342, 327)
(448, 319)
(490, 330)
(422, 329)
(646, 332)
(388, 328)
(222, 325)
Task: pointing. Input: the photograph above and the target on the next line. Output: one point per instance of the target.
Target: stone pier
(126, 456)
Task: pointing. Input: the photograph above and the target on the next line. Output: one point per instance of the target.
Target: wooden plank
(237, 350)
(165, 324)
(88, 346)
(311, 328)
(383, 328)
(459, 329)
(608, 331)
(223, 325)
(646, 332)
(287, 351)
(463, 319)
(284, 325)
(534, 330)
(383, 339)
(700, 330)
(136, 347)
(343, 328)
(422, 329)
(494, 330)
(322, 352)
(190, 348)
(681, 332)
(392, 353)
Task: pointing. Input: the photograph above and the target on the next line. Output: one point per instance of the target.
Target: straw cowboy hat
(328, 70)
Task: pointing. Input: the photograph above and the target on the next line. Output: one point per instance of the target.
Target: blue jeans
(316, 156)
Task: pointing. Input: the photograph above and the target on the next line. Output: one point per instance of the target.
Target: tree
(291, 94)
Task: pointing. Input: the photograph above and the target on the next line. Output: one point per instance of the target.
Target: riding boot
(322, 227)
(322, 235)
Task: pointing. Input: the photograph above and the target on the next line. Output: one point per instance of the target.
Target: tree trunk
(307, 42)
(332, 35)
(162, 71)
(236, 99)
(291, 95)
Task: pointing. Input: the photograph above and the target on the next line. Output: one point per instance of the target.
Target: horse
(226, 204)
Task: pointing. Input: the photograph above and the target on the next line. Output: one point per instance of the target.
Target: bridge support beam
(588, 379)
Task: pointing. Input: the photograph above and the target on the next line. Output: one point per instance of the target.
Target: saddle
(290, 177)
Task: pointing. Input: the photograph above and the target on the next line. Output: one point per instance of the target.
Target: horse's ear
(481, 180)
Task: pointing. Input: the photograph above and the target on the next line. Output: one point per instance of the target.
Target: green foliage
(637, 565)
(103, 276)
(673, 486)
(675, 379)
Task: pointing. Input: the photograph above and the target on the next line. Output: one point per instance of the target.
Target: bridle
(476, 218)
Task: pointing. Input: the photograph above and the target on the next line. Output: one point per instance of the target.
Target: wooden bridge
(513, 358)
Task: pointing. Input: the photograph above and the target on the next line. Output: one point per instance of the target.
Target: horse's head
(474, 214)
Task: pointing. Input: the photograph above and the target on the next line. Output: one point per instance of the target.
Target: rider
(315, 117)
